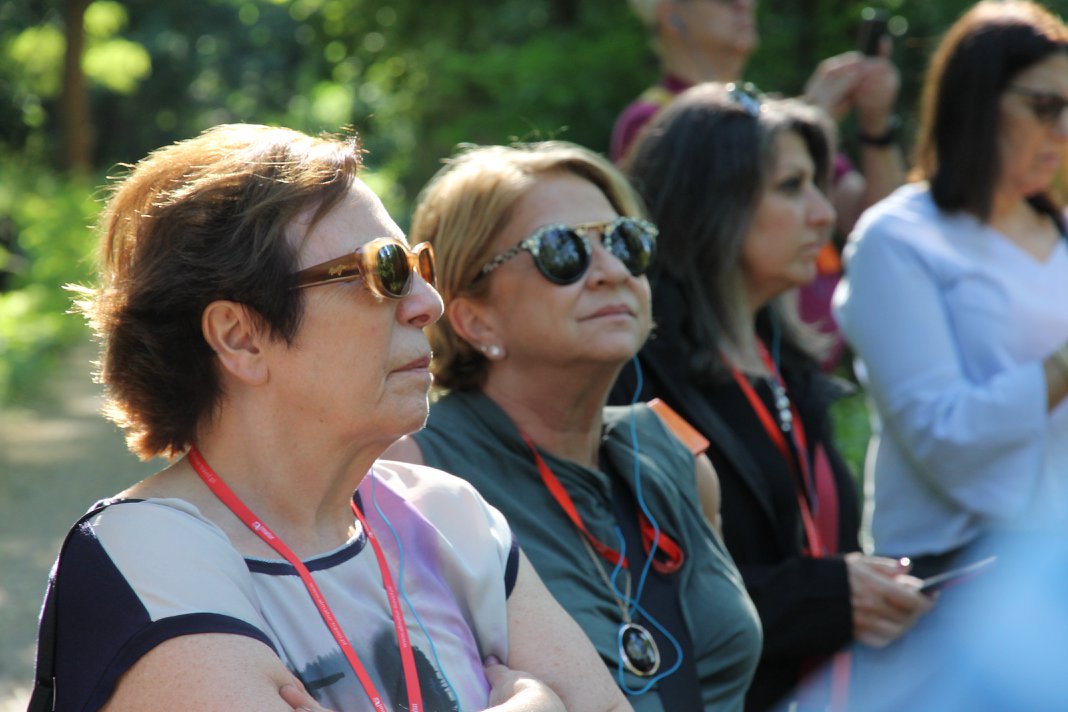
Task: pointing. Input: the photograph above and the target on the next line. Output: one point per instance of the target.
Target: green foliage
(439, 96)
(117, 65)
(31, 69)
(105, 19)
(414, 78)
(852, 429)
(50, 215)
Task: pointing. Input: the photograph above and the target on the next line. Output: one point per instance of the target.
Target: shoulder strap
(688, 435)
(43, 698)
(692, 405)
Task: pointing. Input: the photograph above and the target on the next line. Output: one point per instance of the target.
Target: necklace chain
(624, 608)
(637, 648)
(782, 404)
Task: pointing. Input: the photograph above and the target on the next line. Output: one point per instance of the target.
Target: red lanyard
(672, 551)
(803, 477)
(411, 678)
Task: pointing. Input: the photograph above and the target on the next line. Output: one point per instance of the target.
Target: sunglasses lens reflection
(562, 255)
(633, 243)
(391, 272)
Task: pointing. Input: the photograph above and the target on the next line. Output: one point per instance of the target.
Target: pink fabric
(637, 114)
(842, 166)
(630, 122)
(815, 306)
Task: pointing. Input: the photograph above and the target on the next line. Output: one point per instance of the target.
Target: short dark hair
(977, 59)
(701, 167)
(198, 221)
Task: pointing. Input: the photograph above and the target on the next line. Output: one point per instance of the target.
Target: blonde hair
(464, 207)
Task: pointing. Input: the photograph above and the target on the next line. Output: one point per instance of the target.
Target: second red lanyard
(796, 457)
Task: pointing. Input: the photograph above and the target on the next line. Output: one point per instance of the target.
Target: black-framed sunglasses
(385, 264)
(1047, 107)
(747, 96)
(562, 253)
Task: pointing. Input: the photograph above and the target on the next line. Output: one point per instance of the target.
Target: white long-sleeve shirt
(952, 321)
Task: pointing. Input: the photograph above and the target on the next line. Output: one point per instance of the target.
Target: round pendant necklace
(637, 647)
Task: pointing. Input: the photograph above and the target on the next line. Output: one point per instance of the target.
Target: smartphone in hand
(873, 27)
(935, 583)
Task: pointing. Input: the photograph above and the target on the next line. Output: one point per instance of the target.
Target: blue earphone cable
(633, 604)
(404, 594)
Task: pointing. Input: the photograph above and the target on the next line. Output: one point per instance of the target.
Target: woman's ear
(474, 323)
(236, 338)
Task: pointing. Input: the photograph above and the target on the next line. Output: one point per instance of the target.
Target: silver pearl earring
(492, 351)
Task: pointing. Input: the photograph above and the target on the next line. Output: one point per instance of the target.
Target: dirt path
(57, 456)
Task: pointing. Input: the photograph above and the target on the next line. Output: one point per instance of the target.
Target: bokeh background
(88, 86)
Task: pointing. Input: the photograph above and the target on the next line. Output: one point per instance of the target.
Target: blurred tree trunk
(564, 13)
(76, 121)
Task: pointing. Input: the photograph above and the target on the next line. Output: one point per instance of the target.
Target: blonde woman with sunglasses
(542, 253)
(262, 318)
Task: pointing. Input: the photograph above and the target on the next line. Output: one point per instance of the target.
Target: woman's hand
(545, 640)
(886, 600)
(299, 699)
(517, 691)
(875, 94)
(832, 85)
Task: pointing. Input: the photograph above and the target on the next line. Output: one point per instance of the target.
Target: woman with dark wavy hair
(737, 185)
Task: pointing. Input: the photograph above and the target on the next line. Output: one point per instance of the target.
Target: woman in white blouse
(956, 304)
(956, 300)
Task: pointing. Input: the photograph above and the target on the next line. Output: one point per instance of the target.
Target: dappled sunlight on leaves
(105, 18)
(118, 65)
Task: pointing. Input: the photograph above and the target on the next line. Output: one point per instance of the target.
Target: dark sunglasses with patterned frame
(562, 253)
(385, 264)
